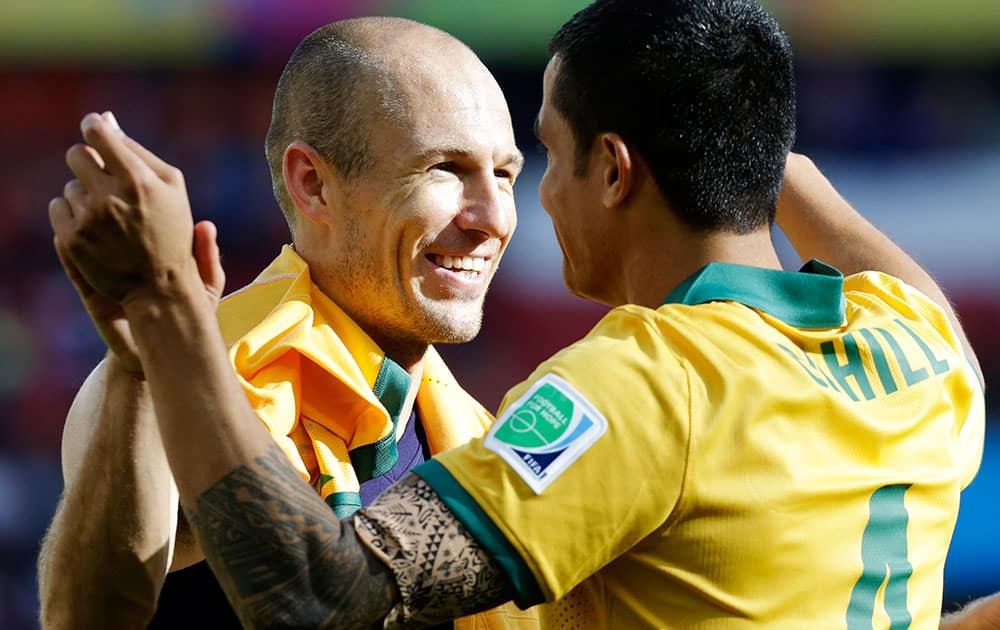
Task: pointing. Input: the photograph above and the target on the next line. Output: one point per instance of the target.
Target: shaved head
(343, 79)
(410, 167)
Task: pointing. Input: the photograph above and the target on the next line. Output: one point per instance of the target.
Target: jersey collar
(812, 297)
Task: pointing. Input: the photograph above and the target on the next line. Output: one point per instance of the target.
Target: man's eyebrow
(443, 150)
(515, 157)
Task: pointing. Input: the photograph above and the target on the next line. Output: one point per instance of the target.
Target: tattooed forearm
(282, 556)
(441, 571)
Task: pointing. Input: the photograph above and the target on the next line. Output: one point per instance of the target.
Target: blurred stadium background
(899, 103)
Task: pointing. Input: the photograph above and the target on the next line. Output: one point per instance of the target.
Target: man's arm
(821, 224)
(112, 538)
(282, 556)
(285, 560)
(279, 552)
(117, 529)
(108, 548)
(982, 614)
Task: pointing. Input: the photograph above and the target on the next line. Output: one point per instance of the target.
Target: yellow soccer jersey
(766, 449)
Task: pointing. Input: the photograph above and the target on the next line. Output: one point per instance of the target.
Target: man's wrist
(178, 310)
(172, 288)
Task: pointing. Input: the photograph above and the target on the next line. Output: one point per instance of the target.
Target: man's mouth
(468, 266)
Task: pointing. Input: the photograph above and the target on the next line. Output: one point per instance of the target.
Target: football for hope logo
(545, 431)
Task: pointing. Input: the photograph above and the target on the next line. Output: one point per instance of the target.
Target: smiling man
(732, 446)
(393, 159)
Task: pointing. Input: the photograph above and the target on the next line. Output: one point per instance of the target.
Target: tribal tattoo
(441, 571)
(282, 556)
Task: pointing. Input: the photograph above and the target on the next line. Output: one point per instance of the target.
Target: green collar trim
(376, 459)
(812, 297)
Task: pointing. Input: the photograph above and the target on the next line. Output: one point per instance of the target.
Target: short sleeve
(587, 458)
(910, 303)
(965, 387)
(971, 436)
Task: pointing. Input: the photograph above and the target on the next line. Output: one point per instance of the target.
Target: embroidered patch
(545, 430)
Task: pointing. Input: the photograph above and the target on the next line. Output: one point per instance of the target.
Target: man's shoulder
(887, 288)
(642, 327)
(629, 344)
(892, 297)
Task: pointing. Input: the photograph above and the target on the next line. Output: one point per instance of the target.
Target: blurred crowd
(211, 123)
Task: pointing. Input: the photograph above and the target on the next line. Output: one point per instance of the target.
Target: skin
(246, 491)
(821, 224)
(613, 225)
(441, 185)
(982, 614)
(116, 476)
(289, 549)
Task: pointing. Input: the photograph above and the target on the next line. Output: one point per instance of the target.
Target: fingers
(95, 155)
(79, 202)
(108, 140)
(76, 195)
(164, 170)
(61, 218)
(63, 224)
(208, 258)
(88, 166)
(112, 153)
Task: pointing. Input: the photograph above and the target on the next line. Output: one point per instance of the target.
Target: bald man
(609, 488)
(393, 159)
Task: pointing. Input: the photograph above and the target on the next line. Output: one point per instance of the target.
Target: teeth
(462, 263)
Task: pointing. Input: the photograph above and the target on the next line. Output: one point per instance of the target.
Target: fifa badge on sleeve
(545, 430)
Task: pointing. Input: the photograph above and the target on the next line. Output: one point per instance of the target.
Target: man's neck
(658, 263)
(406, 353)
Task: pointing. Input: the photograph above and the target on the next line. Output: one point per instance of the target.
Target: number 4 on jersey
(884, 554)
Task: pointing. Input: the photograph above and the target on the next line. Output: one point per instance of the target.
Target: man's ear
(306, 176)
(617, 168)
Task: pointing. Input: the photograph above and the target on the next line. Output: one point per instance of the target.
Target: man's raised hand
(136, 232)
(124, 224)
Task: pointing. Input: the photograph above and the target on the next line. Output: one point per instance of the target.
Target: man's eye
(448, 167)
(503, 174)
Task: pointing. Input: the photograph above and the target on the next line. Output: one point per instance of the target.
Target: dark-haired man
(393, 159)
(733, 445)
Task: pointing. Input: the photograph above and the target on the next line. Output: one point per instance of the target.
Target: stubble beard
(450, 323)
(413, 321)
(407, 319)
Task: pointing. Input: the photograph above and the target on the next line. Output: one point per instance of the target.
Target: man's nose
(486, 208)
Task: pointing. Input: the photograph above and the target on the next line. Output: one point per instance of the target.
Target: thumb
(208, 258)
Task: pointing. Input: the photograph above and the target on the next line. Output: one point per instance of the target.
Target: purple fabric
(411, 448)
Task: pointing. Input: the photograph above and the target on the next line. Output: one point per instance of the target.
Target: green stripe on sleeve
(468, 512)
